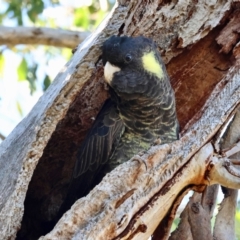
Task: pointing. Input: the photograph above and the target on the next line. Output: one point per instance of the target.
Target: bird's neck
(147, 108)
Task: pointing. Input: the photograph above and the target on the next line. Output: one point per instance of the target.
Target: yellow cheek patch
(151, 65)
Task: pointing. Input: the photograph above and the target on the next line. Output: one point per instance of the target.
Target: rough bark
(198, 212)
(153, 181)
(224, 227)
(12, 36)
(132, 200)
(225, 221)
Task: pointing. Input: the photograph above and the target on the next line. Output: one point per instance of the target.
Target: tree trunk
(199, 43)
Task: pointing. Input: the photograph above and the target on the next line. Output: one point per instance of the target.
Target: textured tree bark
(225, 220)
(37, 158)
(198, 212)
(41, 36)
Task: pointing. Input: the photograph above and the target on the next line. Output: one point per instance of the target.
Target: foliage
(237, 221)
(14, 10)
(2, 61)
(77, 15)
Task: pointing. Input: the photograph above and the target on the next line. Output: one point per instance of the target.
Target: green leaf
(32, 77)
(15, 8)
(2, 16)
(237, 224)
(82, 17)
(22, 70)
(66, 53)
(31, 14)
(46, 83)
(2, 64)
(37, 7)
(19, 108)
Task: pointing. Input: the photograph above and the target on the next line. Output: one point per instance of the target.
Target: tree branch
(41, 35)
(225, 220)
(198, 212)
(170, 168)
(132, 200)
(224, 224)
(224, 227)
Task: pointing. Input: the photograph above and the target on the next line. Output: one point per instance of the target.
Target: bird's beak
(109, 71)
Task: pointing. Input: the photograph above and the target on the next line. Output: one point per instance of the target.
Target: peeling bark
(230, 35)
(224, 227)
(225, 221)
(134, 199)
(198, 212)
(153, 195)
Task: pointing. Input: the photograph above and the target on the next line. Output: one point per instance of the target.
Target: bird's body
(140, 111)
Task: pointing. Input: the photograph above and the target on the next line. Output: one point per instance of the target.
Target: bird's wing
(100, 141)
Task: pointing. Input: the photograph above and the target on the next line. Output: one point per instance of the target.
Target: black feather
(98, 143)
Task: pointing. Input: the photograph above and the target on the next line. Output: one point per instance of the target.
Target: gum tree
(199, 42)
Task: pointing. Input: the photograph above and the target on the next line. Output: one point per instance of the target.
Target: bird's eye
(128, 58)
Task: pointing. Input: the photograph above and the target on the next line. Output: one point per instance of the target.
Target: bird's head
(131, 62)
